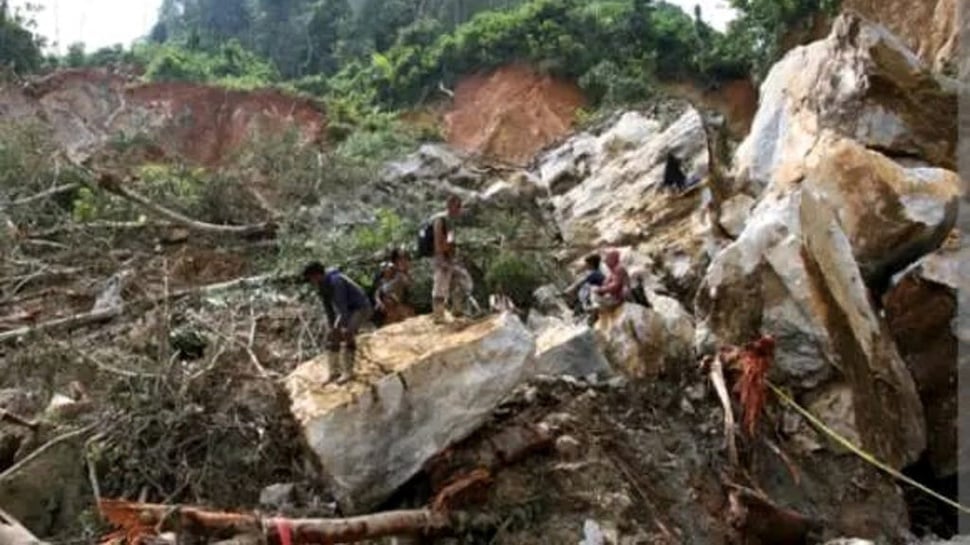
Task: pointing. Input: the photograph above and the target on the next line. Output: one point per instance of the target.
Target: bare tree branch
(111, 183)
(68, 322)
(64, 188)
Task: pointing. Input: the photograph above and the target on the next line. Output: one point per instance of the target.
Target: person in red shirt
(616, 289)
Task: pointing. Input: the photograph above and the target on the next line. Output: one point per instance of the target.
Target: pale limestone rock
(569, 349)
(620, 201)
(791, 273)
(735, 213)
(891, 214)
(644, 342)
(631, 131)
(860, 82)
(418, 388)
(928, 27)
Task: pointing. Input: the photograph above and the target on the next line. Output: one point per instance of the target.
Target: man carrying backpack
(437, 240)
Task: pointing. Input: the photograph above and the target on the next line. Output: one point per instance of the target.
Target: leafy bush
(231, 66)
(515, 276)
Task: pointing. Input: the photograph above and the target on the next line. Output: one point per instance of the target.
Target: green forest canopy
(366, 55)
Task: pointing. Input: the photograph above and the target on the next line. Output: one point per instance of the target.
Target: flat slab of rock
(418, 388)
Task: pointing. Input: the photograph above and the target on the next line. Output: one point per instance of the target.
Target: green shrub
(516, 276)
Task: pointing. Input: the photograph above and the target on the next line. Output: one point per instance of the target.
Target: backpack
(426, 237)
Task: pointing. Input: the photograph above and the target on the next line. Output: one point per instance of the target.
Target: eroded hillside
(90, 109)
(159, 351)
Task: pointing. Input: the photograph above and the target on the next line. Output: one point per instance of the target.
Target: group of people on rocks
(348, 306)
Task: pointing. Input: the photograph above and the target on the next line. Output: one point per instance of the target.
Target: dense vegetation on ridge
(392, 54)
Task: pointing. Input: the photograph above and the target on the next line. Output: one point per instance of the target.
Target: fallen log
(110, 183)
(67, 322)
(759, 520)
(141, 520)
(64, 188)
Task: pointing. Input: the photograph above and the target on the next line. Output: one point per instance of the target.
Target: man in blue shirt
(347, 307)
(591, 277)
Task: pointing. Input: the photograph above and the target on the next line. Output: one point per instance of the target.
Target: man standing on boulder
(347, 307)
(448, 274)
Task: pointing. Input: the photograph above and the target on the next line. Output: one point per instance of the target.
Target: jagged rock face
(860, 82)
(621, 200)
(88, 109)
(928, 27)
(891, 214)
(418, 389)
(607, 191)
(921, 309)
(792, 273)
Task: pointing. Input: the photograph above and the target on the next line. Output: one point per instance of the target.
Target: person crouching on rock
(347, 307)
(582, 288)
(615, 291)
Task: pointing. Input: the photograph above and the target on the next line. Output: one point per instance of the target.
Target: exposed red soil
(209, 123)
(199, 123)
(511, 113)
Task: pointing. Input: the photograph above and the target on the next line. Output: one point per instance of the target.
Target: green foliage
(763, 24)
(616, 49)
(20, 47)
(27, 168)
(388, 231)
(231, 65)
(515, 276)
(379, 139)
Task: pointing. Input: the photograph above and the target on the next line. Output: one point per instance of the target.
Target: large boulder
(860, 82)
(418, 389)
(921, 309)
(792, 273)
(645, 342)
(928, 27)
(563, 348)
(891, 214)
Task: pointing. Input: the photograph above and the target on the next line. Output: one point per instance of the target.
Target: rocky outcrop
(417, 390)
(792, 273)
(90, 109)
(860, 82)
(607, 191)
(569, 349)
(891, 214)
(928, 27)
(921, 309)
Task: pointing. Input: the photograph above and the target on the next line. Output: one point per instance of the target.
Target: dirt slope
(511, 113)
(89, 108)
